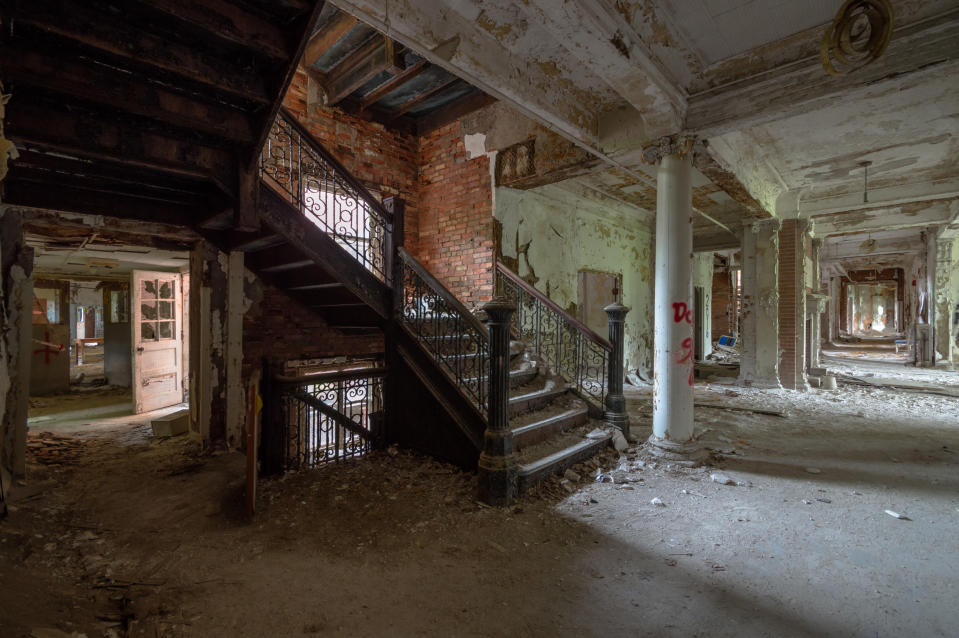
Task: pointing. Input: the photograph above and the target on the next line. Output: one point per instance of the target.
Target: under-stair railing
(569, 347)
(295, 164)
(455, 339)
(325, 417)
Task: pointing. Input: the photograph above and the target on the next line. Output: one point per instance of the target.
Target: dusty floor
(130, 531)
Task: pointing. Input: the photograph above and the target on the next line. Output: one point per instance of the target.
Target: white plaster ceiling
(721, 29)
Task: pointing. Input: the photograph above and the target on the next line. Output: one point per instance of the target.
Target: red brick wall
(279, 328)
(456, 215)
(790, 252)
(449, 217)
(385, 161)
(722, 304)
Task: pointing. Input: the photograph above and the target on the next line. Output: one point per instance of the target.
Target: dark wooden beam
(415, 101)
(299, 31)
(91, 202)
(324, 39)
(371, 59)
(230, 22)
(88, 136)
(391, 85)
(156, 193)
(72, 77)
(111, 35)
(452, 112)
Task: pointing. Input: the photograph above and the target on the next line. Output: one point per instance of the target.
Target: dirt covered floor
(123, 534)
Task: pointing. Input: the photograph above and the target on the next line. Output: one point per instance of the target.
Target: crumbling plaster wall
(550, 236)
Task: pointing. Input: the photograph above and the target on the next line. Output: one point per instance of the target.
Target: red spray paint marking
(681, 312)
(688, 356)
(47, 350)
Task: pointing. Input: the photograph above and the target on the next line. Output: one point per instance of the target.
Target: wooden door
(156, 318)
(596, 291)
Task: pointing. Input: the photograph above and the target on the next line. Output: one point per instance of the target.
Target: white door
(157, 365)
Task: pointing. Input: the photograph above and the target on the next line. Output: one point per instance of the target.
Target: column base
(618, 420)
(688, 454)
(497, 479)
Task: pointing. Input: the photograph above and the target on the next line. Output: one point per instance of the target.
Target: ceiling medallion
(857, 36)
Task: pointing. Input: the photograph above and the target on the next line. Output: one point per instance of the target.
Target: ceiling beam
(113, 36)
(916, 50)
(392, 84)
(230, 22)
(358, 68)
(73, 77)
(327, 37)
(89, 136)
(419, 98)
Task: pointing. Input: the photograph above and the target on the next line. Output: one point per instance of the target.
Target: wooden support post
(615, 414)
(394, 278)
(395, 239)
(245, 217)
(497, 463)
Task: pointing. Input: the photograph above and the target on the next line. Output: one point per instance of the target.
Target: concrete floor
(397, 545)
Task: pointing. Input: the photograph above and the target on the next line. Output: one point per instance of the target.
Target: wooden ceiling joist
(418, 99)
(371, 59)
(229, 22)
(130, 93)
(325, 39)
(391, 85)
(102, 34)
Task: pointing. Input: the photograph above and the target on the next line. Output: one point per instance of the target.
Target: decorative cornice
(773, 223)
(681, 145)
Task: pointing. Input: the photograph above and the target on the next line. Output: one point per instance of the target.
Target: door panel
(156, 318)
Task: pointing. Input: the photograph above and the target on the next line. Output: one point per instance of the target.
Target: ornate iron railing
(570, 348)
(456, 340)
(310, 178)
(329, 416)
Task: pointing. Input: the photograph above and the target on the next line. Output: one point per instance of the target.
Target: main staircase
(328, 243)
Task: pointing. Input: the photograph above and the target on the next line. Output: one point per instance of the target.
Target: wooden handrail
(441, 290)
(338, 168)
(552, 305)
(326, 377)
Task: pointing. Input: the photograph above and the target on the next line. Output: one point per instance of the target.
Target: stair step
(539, 431)
(521, 377)
(529, 474)
(535, 400)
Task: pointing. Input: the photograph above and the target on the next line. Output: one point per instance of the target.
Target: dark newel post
(393, 266)
(497, 463)
(615, 414)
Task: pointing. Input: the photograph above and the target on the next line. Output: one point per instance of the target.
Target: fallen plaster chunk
(619, 441)
(567, 485)
(901, 517)
(597, 434)
(722, 479)
(572, 476)
(813, 470)
(658, 502)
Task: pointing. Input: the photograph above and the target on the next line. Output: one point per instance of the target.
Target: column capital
(773, 224)
(655, 151)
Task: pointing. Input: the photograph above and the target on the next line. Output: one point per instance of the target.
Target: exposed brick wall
(449, 217)
(790, 287)
(279, 328)
(456, 215)
(723, 303)
(386, 162)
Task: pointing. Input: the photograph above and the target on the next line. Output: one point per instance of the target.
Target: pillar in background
(792, 304)
(944, 302)
(703, 267)
(497, 463)
(759, 319)
(672, 435)
(817, 305)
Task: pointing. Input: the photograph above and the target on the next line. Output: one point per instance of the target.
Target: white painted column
(944, 303)
(759, 336)
(703, 267)
(673, 319)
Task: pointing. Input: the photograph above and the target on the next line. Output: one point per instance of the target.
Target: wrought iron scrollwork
(573, 353)
(306, 175)
(452, 336)
(316, 436)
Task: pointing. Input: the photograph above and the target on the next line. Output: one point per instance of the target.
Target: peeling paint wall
(549, 236)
